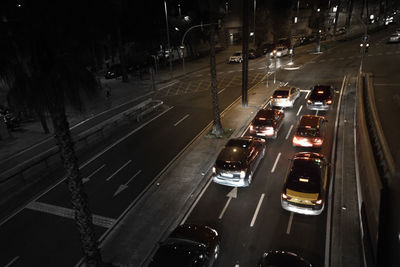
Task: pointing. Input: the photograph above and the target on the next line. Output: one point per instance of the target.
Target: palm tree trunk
(217, 127)
(83, 216)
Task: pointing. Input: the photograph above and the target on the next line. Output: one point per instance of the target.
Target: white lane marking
(245, 131)
(261, 68)
(184, 117)
(286, 83)
(298, 112)
(117, 171)
(12, 261)
(68, 213)
(221, 91)
(316, 113)
(276, 162)
(289, 226)
(231, 71)
(308, 92)
(288, 133)
(195, 203)
(257, 210)
(168, 85)
(387, 84)
(87, 179)
(122, 187)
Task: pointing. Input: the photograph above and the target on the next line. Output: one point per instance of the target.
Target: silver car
(284, 96)
(236, 58)
(394, 38)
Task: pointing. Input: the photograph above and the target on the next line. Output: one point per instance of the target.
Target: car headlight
(309, 101)
(242, 174)
(214, 170)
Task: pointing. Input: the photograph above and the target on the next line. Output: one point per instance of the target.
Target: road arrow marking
(117, 171)
(87, 179)
(230, 195)
(122, 187)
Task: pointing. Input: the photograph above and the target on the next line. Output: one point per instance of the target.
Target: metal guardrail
(23, 172)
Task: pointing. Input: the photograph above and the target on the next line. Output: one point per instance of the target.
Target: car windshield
(305, 176)
(307, 132)
(281, 93)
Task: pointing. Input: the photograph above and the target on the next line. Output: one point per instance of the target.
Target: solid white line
(117, 171)
(308, 92)
(86, 179)
(276, 162)
(195, 203)
(68, 213)
(257, 210)
(224, 209)
(12, 261)
(136, 174)
(187, 115)
(168, 85)
(245, 131)
(298, 112)
(289, 226)
(221, 91)
(288, 133)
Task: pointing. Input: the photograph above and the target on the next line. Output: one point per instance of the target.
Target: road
(117, 172)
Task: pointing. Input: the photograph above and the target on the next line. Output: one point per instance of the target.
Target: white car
(394, 38)
(284, 96)
(280, 51)
(236, 58)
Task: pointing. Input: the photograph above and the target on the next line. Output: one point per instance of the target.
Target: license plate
(230, 175)
(318, 103)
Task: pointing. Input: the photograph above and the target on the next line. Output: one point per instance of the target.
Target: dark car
(267, 122)
(188, 245)
(310, 132)
(238, 160)
(267, 48)
(305, 184)
(282, 259)
(253, 53)
(114, 71)
(321, 97)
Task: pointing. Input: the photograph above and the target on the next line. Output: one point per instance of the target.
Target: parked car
(310, 132)
(280, 258)
(238, 160)
(267, 122)
(114, 71)
(188, 245)
(321, 97)
(305, 184)
(284, 96)
(394, 38)
(280, 51)
(236, 58)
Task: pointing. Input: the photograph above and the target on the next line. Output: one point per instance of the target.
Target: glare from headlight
(214, 170)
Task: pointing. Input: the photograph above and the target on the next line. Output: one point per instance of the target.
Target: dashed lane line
(117, 171)
(184, 117)
(12, 261)
(257, 210)
(298, 112)
(221, 90)
(87, 179)
(289, 226)
(276, 162)
(101, 221)
(288, 133)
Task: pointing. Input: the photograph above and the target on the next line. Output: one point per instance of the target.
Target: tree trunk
(348, 19)
(83, 216)
(217, 127)
(245, 52)
(43, 121)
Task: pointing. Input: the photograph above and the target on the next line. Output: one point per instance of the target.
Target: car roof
(284, 88)
(266, 113)
(309, 120)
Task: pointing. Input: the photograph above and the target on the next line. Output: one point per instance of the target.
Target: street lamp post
(274, 52)
(254, 23)
(183, 40)
(169, 45)
(267, 63)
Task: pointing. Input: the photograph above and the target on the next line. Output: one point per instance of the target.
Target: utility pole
(245, 51)
(169, 44)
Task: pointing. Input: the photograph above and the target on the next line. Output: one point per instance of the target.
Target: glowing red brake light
(329, 102)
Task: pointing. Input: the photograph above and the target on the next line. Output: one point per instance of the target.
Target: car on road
(284, 96)
(253, 54)
(394, 38)
(305, 184)
(238, 160)
(237, 57)
(280, 258)
(310, 131)
(114, 71)
(267, 122)
(280, 51)
(321, 97)
(188, 245)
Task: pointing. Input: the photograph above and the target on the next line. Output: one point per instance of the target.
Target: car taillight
(251, 128)
(318, 141)
(309, 101)
(214, 170)
(318, 202)
(295, 140)
(329, 102)
(284, 196)
(242, 174)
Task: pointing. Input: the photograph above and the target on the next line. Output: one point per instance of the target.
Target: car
(114, 71)
(253, 53)
(280, 258)
(267, 122)
(188, 245)
(310, 131)
(341, 31)
(280, 51)
(267, 48)
(305, 184)
(321, 97)
(238, 160)
(236, 58)
(394, 38)
(284, 96)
